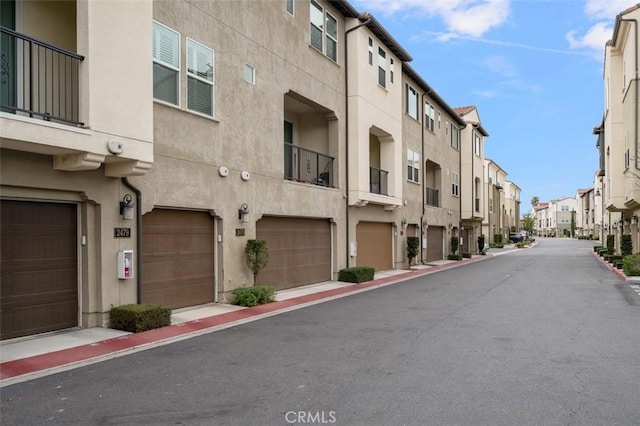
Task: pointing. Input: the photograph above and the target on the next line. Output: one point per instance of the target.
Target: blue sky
(533, 68)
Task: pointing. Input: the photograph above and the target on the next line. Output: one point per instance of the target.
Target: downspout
(138, 255)
(364, 18)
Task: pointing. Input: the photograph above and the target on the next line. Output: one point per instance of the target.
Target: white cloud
(606, 10)
(499, 65)
(461, 17)
(594, 39)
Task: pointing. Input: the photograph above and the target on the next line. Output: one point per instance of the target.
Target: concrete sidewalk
(36, 356)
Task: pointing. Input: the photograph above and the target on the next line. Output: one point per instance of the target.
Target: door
(375, 245)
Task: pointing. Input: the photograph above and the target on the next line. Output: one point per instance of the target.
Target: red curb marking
(621, 275)
(68, 356)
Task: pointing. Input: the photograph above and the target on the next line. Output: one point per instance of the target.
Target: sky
(533, 68)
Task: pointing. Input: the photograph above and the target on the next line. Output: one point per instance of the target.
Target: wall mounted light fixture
(243, 211)
(126, 207)
(403, 223)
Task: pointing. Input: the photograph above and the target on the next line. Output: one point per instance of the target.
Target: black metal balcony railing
(305, 165)
(432, 197)
(378, 181)
(38, 79)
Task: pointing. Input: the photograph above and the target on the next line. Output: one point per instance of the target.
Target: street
(541, 336)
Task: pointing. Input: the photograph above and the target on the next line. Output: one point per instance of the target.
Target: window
(382, 68)
(391, 70)
(477, 144)
(370, 51)
(439, 120)
(324, 31)
(166, 64)
(490, 205)
(411, 101)
(250, 74)
(413, 166)
(199, 78)
(455, 185)
(429, 116)
(290, 6)
(454, 137)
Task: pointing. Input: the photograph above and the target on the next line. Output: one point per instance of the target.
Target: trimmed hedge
(454, 257)
(631, 265)
(252, 296)
(356, 274)
(137, 318)
(466, 255)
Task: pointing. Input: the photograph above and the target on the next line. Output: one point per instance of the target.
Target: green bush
(614, 258)
(413, 245)
(454, 257)
(466, 255)
(626, 245)
(497, 238)
(252, 296)
(611, 243)
(619, 264)
(454, 244)
(631, 265)
(137, 318)
(356, 274)
(596, 248)
(256, 256)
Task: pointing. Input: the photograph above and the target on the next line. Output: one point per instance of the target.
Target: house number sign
(122, 232)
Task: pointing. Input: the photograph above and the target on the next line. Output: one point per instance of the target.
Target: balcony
(378, 179)
(432, 197)
(38, 79)
(307, 166)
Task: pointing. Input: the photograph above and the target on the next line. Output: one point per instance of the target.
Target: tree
(535, 201)
(528, 223)
(256, 255)
(454, 245)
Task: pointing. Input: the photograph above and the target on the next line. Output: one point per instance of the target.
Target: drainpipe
(128, 184)
(364, 18)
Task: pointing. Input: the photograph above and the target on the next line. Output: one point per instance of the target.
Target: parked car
(516, 237)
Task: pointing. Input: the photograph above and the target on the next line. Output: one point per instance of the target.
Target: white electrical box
(125, 264)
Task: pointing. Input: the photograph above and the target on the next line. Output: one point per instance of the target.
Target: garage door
(375, 245)
(177, 258)
(299, 251)
(39, 261)
(434, 243)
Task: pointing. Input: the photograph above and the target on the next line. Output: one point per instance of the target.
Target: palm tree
(535, 201)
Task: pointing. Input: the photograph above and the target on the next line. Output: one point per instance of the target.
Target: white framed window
(382, 68)
(324, 31)
(413, 166)
(370, 51)
(439, 120)
(411, 107)
(249, 74)
(166, 64)
(455, 184)
(391, 70)
(455, 143)
(429, 116)
(477, 145)
(199, 78)
(290, 6)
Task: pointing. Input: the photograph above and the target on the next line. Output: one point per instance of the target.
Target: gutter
(128, 184)
(364, 18)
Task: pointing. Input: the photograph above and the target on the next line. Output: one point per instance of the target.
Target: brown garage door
(39, 261)
(177, 258)
(434, 243)
(299, 251)
(375, 245)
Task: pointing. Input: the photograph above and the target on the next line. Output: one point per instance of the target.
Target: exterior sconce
(243, 211)
(403, 223)
(126, 207)
(634, 219)
(597, 194)
(425, 224)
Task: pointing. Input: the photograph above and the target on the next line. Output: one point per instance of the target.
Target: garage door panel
(434, 243)
(299, 251)
(178, 258)
(375, 245)
(39, 288)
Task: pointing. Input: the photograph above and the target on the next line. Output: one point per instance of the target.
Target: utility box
(125, 264)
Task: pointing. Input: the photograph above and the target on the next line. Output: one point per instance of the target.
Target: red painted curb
(20, 367)
(612, 268)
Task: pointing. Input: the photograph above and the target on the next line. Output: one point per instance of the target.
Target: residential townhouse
(494, 222)
(512, 206)
(472, 176)
(432, 133)
(618, 134)
(145, 186)
(585, 214)
(542, 226)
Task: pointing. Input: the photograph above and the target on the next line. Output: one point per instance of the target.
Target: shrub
(626, 245)
(596, 248)
(466, 255)
(497, 238)
(356, 274)
(413, 244)
(611, 243)
(136, 318)
(252, 296)
(454, 257)
(454, 244)
(631, 265)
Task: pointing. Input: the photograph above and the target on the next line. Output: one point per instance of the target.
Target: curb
(612, 268)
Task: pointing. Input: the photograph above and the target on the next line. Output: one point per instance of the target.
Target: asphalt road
(541, 336)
